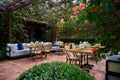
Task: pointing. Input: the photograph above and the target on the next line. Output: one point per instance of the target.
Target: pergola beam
(20, 5)
(14, 5)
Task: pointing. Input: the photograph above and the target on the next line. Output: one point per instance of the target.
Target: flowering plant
(91, 11)
(102, 14)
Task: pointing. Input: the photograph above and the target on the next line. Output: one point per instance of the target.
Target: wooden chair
(37, 51)
(67, 46)
(73, 45)
(72, 58)
(47, 49)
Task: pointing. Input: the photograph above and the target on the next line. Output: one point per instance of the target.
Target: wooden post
(53, 33)
(9, 30)
(51, 36)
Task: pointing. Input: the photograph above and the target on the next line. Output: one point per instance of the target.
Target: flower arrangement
(84, 44)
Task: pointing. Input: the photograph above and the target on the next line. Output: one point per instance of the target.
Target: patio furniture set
(80, 53)
(74, 53)
(31, 49)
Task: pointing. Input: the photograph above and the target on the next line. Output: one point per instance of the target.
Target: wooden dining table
(86, 51)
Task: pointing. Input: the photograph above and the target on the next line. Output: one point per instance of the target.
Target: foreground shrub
(55, 71)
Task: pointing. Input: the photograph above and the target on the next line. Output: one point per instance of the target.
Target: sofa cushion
(12, 46)
(55, 48)
(21, 51)
(54, 43)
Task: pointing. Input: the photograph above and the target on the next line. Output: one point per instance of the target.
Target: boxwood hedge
(77, 41)
(55, 71)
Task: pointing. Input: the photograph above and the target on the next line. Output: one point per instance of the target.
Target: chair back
(67, 46)
(39, 47)
(48, 47)
(73, 45)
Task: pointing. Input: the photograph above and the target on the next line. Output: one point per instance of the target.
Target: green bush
(3, 53)
(77, 41)
(55, 71)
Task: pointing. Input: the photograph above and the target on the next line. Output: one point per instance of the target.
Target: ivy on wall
(3, 29)
(18, 32)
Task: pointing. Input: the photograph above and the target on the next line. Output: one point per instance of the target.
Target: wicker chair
(47, 49)
(72, 58)
(37, 51)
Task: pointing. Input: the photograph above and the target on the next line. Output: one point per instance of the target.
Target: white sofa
(12, 50)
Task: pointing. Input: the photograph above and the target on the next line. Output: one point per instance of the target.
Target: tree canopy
(76, 18)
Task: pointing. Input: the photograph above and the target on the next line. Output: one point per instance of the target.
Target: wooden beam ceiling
(13, 5)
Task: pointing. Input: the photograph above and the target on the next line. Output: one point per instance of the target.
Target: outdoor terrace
(10, 69)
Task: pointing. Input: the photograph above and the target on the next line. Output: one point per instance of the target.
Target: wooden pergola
(8, 6)
(13, 5)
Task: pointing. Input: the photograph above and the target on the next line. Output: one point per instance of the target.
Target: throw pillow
(20, 46)
(54, 44)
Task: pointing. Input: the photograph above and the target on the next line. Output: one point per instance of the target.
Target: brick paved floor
(10, 69)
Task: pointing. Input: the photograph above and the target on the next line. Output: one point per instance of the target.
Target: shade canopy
(13, 5)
